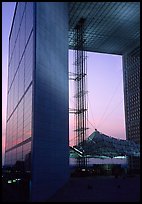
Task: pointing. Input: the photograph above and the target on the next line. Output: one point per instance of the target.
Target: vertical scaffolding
(81, 100)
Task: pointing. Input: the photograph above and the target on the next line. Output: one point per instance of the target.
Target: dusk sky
(105, 86)
(105, 93)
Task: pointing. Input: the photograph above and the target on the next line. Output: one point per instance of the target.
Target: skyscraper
(20, 85)
(131, 73)
(37, 112)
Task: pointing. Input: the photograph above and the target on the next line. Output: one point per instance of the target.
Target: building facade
(131, 73)
(20, 85)
(38, 98)
(37, 112)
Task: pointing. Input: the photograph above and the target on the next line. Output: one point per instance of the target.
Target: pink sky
(105, 86)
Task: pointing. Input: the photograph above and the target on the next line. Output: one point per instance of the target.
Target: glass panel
(12, 40)
(21, 79)
(29, 19)
(16, 23)
(16, 89)
(13, 156)
(28, 114)
(12, 68)
(26, 149)
(20, 123)
(14, 131)
(22, 36)
(29, 62)
(19, 153)
(21, 6)
(16, 55)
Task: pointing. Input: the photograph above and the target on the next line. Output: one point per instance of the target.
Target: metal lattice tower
(81, 100)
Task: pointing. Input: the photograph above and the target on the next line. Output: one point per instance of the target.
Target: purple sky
(105, 86)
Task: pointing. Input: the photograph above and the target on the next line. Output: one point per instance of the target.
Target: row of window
(134, 97)
(133, 59)
(19, 39)
(22, 25)
(136, 139)
(132, 87)
(132, 78)
(134, 105)
(134, 127)
(18, 154)
(22, 78)
(132, 66)
(134, 74)
(133, 118)
(133, 112)
(19, 126)
(134, 134)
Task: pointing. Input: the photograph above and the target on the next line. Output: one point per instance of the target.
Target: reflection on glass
(19, 111)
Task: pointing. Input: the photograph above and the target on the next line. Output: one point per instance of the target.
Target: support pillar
(50, 145)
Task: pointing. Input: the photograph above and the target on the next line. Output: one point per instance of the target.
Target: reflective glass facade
(43, 120)
(20, 69)
(37, 113)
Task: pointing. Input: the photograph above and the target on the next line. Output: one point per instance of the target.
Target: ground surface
(99, 189)
(85, 189)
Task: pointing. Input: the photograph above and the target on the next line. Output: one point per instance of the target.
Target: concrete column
(50, 146)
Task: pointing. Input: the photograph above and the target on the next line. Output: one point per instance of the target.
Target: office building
(37, 111)
(131, 73)
(37, 115)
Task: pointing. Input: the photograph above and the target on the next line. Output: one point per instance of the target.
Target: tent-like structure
(101, 145)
